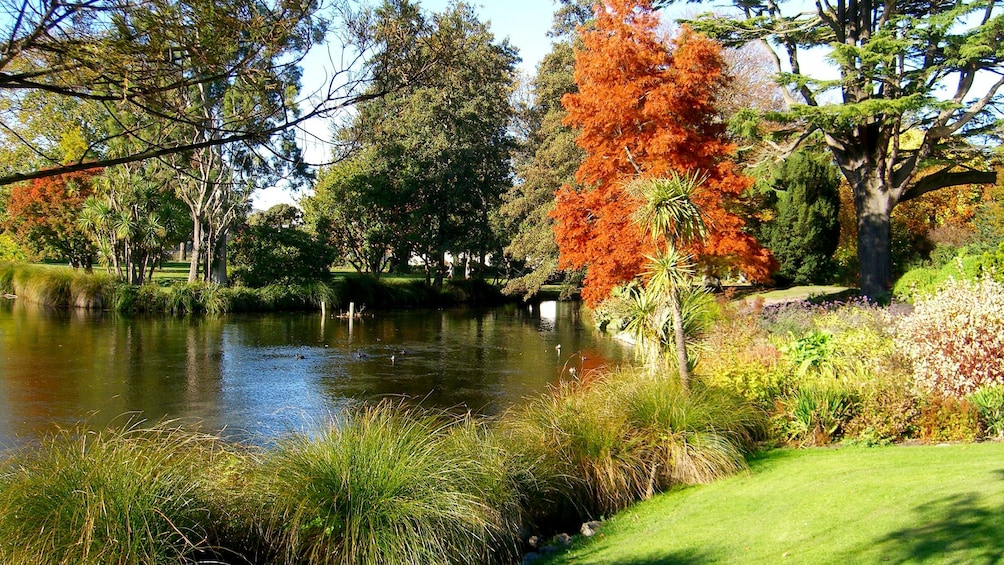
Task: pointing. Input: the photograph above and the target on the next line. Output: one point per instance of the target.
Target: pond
(252, 377)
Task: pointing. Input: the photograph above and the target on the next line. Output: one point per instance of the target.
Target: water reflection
(257, 376)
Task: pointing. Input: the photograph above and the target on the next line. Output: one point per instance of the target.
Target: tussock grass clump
(583, 459)
(596, 448)
(695, 436)
(132, 496)
(56, 286)
(389, 484)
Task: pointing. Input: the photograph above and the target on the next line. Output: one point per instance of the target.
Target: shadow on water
(954, 529)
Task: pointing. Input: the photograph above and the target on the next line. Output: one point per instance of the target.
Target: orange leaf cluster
(43, 213)
(646, 109)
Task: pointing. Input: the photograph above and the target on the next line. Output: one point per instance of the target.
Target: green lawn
(918, 504)
(171, 272)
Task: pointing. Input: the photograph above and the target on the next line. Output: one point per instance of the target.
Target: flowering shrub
(955, 337)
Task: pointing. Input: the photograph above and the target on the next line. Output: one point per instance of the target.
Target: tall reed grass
(383, 483)
(389, 484)
(65, 287)
(595, 448)
(56, 286)
(128, 496)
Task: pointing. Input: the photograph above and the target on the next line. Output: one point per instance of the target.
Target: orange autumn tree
(645, 109)
(43, 216)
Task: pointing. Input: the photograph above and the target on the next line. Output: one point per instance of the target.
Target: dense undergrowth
(860, 373)
(64, 287)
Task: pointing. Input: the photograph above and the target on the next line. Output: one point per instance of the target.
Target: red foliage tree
(646, 109)
(43, 216)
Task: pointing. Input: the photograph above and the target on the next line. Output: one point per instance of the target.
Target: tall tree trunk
(218, 272)
(193, 267)
(682, 362)
(862, 158)
(874, 208)
(440, 269)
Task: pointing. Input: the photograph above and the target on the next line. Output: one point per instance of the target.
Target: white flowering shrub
(955, 337)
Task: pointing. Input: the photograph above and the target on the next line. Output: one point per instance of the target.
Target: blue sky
(524, 22)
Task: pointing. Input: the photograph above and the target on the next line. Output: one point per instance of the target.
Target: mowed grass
(912, 504)
(171, 272)
(177, 271)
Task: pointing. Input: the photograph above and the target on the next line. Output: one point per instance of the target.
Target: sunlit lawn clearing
(797, 293)
(918, 504)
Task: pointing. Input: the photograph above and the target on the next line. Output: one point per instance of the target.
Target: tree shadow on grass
(688, 556)
(680, 557)
(955, 529)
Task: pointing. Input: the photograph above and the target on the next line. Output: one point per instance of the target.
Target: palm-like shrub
(989, 402)
(817, 413)
(134, 496)
(389, 484)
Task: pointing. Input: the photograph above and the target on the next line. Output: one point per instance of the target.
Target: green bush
(132, 496)
(811, 352)
(389, 484)
(887, 412)
(965, 266)
(817, 413)
(989, 402)
(10, 250)
(805, 233)
(290, 256)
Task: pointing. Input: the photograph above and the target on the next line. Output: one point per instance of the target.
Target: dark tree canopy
(806, 231)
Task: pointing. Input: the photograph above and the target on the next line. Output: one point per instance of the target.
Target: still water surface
(252, 377)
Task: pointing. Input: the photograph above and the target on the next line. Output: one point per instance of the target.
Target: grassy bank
(64, 287)
(918, 504)
(380, 484)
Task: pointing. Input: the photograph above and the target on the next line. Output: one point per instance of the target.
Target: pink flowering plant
(955, 337)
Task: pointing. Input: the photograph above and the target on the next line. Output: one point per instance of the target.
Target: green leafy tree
(274, 248)
(546, 160)
(358, 213)
(907, 70)
(131, 59)
(547, 156)
(806, 230)
(444, 146)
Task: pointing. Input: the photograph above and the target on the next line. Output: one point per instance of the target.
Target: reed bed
(56, 286)
(64, 287)
(383, 483)
(128, 496)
